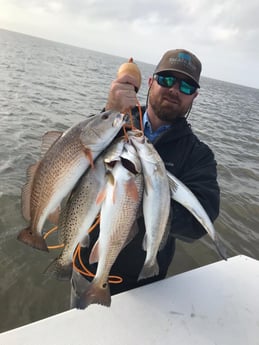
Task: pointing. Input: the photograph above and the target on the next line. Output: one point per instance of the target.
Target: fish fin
(101, 196)
(95, 294)
(220, 248)
(48, 139)
(148, 184)
(103, 192)
(59, 271)
(131, 190)
(114, 192)
(31, 238)
(173, 186)
(89, 156)
(53, 217)
(85, 242)
(165, 234)
(149, 270)
(94, 256)
(27, 190)
(144, 243)
(110, 178)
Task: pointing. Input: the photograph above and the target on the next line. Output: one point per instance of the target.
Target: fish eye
(105, 116)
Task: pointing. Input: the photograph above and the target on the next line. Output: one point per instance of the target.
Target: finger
(128, 79)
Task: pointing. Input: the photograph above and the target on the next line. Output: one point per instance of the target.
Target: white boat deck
(214, 304)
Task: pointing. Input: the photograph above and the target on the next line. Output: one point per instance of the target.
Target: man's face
(169, 103)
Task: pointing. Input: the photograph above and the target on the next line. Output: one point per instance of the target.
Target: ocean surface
(45, 86)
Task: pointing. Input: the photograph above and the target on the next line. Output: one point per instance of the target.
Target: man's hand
(122, 95)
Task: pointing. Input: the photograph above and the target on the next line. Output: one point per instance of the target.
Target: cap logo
(184, 56)
(183, 59)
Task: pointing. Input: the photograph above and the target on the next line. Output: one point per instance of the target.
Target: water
(47, 85)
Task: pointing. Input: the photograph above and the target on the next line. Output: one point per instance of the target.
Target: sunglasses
(169, 81)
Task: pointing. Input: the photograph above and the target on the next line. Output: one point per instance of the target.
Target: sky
(224, 34)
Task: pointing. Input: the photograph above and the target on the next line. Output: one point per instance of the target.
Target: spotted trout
(77, 217)
(156, 202)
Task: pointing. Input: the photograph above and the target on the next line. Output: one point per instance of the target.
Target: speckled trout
(77, 217)
(156, 202)
(121, 201)
(52, 178)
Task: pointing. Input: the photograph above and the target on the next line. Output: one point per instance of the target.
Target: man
(172, 90)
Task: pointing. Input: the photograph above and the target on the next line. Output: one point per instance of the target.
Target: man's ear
(195, 94)
(150, 81)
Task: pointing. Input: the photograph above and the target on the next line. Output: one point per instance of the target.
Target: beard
(165, 110)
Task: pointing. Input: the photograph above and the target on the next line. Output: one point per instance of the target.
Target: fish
(156, 202)
(182, 194)
(76, 218)
(67, 157)
(113, 152)
(121, 200)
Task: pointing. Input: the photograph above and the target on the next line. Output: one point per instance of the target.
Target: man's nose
(175, 87)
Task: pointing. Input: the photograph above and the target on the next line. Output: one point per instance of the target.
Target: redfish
(121, 200)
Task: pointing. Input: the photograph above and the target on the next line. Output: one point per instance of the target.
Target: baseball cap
(182, 61)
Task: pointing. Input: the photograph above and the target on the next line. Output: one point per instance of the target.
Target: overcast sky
(224, 34)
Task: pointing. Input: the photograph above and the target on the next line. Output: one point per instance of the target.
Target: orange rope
(77, 253)
(55, 228)
(131, 125)
(131, 119)
(115, 280)
(140, 117)
(86, 272)
(94, 225)
(125, 132)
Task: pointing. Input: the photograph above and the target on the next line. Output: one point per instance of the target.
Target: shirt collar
(152, 135)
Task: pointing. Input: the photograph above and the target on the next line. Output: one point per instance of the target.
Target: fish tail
(220, 248)
(32, 239)
(59, 271)
(149, 270)
(95, 294)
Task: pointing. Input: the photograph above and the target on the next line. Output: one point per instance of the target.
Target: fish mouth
(119, 119)
(130, 166)
(125, 117)
(136, 135)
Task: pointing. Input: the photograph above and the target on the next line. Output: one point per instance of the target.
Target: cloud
(221, 32)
